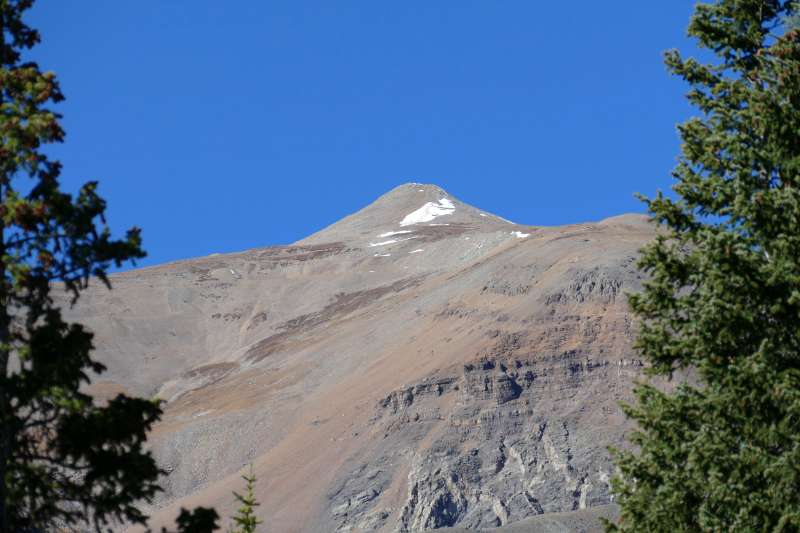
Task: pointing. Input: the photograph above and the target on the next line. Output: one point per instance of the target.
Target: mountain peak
(415, 342)
(408, 206)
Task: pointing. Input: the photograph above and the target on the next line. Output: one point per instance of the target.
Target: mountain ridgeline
(419, 364)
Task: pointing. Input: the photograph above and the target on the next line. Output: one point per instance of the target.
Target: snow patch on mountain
(390, 233)
(389, 241)
(380, 243)
(429, 211)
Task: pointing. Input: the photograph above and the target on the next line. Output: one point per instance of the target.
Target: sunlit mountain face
(419, 364)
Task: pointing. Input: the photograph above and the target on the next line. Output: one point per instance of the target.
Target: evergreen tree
(63, 461)
(246, 519)
(722, 452)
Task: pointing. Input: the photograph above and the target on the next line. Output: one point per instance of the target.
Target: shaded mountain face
(417, 365)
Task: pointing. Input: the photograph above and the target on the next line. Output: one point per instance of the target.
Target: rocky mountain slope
(419, 364)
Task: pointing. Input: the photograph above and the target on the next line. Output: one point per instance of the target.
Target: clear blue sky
(223, 126)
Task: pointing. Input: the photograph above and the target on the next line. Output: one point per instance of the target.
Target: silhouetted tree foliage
(723, 453)
(63, 460)
(201, 520)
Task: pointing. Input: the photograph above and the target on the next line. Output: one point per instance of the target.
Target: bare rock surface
(581, 521)
(420, 364)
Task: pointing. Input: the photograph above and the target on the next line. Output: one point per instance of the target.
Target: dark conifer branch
(724, 454)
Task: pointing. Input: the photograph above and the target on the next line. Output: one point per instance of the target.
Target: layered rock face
(420, 364)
